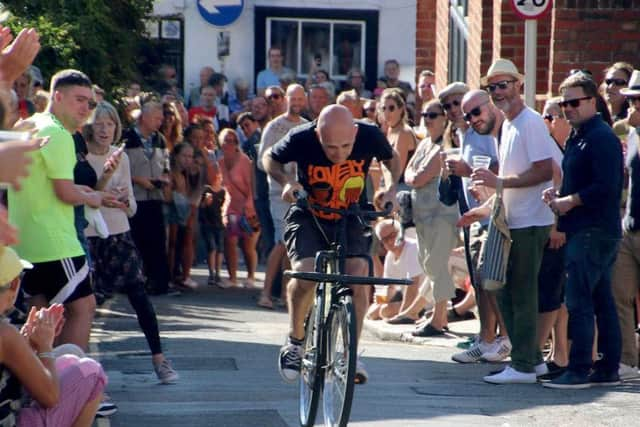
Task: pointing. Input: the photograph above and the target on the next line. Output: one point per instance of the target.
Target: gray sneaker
(166, 374)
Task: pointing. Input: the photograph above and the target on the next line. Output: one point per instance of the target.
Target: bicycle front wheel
(341, 353)
(310, 372)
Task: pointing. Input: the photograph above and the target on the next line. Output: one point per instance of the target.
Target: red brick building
(458, 39)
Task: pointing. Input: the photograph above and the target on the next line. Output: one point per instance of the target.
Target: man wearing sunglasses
(485, 122)
(588, 207)
(525, 171)
(276, 100)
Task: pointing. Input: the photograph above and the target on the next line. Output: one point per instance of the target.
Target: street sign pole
(530, 61)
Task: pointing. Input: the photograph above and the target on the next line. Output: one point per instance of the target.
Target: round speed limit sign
(531, 9)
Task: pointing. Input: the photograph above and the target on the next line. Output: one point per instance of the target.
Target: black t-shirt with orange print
(328, 184)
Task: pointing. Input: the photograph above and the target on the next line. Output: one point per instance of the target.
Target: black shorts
(61, 281)
(303, 239)
(551, 280)
(213, 237)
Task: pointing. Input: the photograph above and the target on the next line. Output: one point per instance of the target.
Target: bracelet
(46, 355)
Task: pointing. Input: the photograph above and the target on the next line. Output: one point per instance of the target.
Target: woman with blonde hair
(239, 213)
(171, 126)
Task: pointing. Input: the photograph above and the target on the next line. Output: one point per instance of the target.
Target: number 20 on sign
(531, 9)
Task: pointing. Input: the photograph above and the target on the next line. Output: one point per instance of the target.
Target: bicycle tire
(340, 356)
(310, 382)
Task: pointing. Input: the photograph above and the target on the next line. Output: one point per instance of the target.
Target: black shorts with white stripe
(61, 281)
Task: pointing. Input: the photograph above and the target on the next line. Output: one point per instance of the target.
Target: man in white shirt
(525, 158)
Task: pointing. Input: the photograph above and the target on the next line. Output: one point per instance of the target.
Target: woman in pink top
(239, 213)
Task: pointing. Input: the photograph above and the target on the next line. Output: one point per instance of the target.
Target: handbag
(494, 254)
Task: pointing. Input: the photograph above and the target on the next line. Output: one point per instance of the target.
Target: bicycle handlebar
(353, 209)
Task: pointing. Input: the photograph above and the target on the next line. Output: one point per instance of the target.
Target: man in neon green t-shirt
(43, 211)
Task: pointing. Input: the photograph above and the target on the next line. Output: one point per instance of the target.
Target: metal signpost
(530, 11)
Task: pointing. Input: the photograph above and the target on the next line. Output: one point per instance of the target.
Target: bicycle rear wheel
(341, 353)
(310, 372)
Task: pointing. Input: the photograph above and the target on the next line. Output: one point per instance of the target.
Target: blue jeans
(590, 255)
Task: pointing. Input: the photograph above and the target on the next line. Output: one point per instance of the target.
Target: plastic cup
(453, 153)
(420, 132)
(481, 162)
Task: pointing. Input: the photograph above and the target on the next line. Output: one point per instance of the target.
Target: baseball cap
(11, 265)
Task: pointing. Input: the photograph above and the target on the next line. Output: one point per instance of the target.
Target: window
(333, 45)
(458, 33)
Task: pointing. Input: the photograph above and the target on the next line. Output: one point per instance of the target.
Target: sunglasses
(473, 113)
(431, 115)
(617, 82)
(578, 70)
(499, 85)
(274, 96)
(551, 117)
(92, 105)
(391, 108)
(574, 103)
(447, 107)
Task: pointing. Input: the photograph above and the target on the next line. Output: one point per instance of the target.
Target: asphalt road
(225, 350)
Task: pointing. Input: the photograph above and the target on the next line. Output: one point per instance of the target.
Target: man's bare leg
(78, 319)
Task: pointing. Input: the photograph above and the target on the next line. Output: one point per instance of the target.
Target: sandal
(401, 320)
(265, 302)
(428, 331)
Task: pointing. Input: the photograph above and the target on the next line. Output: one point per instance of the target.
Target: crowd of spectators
(127, 193)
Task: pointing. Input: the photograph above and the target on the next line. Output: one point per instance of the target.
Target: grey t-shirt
(275, 130)
(474, 144)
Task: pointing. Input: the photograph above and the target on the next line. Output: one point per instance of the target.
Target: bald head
(479, 112)
(336, 132)
(296, 100)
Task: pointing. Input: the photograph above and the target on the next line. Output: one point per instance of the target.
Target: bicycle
(329, 349)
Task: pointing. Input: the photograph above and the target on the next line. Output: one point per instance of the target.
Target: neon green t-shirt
(46, 224)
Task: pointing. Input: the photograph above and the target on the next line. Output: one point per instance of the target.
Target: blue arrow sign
(220, 12)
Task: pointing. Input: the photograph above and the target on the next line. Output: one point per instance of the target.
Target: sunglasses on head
(391, 108)
(617, 82)
(574, 103)
(447, 106)
(431, 115)
(499, 85)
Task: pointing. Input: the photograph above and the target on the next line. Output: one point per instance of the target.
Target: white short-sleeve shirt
(406, 266)
(525, 140)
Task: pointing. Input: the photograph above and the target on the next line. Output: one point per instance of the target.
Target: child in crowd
(212, 227)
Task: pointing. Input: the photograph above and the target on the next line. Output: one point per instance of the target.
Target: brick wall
(592, 34)
(425, 36)
(442, 43)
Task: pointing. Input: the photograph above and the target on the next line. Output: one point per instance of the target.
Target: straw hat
(633, 88)
(500, 67)
(11, 265)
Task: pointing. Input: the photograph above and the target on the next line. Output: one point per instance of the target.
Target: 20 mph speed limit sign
(531, 9)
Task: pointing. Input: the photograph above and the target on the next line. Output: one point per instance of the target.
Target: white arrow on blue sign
(220, 12)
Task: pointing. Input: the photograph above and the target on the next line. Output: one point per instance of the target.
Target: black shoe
(454, 316)
(554, 372)
(402, 320)
(600, 378)
(428, 331)
(569, 381)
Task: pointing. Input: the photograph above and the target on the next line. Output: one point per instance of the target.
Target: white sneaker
(541, 369)
(473, 354)
(190, 283)
(511, 376)
(501, 349)
(627, 372)
(362, 376)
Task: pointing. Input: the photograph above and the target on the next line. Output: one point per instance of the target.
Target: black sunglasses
(391, 108)
(551, 117)
(501, 85)
(617, 82)
(473, 113)
(574, 103)
(274, 96)
(447, 106)
(431, 115)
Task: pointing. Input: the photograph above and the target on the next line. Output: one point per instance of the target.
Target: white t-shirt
(407, 265)
(525, 140)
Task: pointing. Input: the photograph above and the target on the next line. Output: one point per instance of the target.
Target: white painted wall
(396, 39)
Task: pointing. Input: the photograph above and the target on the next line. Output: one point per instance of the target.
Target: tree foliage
(101, 38)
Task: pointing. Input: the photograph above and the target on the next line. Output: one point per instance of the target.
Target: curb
(459, 331)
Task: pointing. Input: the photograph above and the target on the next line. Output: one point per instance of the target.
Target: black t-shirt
(328, 184)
